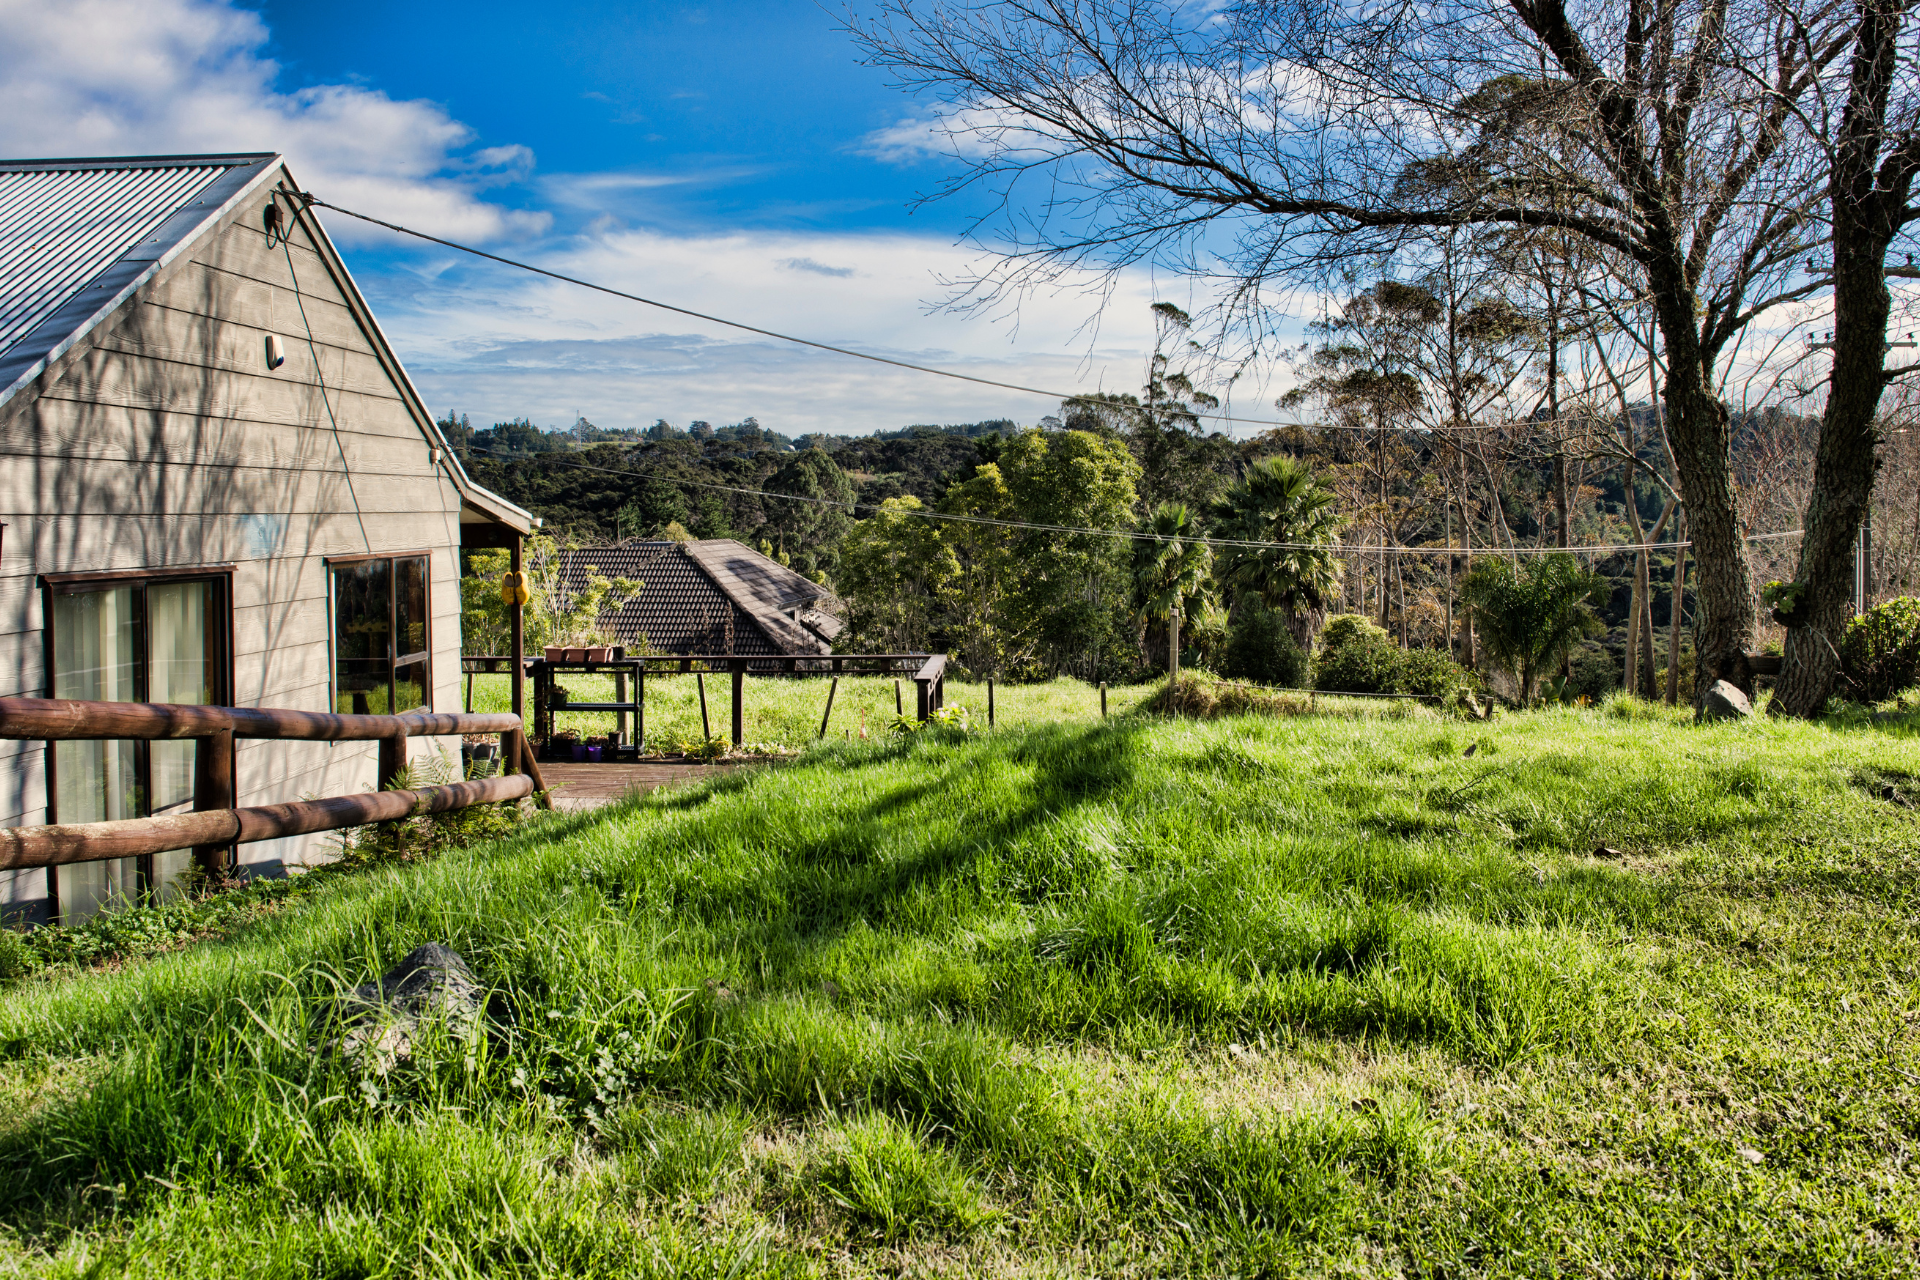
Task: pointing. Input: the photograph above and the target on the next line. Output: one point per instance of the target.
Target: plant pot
(575, 655)
(556, 654)
(613, 739)
(579, 752)
(600, 653)
(557, 699)
(593, 754)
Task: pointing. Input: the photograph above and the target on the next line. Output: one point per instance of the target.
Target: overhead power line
(1063, 396)
(1133, 535)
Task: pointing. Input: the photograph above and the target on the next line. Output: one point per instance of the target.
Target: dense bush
(1596, 673)
(1260, 649)
(1881, 653)
(1355, 657)
(1358, 657)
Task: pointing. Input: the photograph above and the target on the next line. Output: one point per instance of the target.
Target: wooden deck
(588, 786)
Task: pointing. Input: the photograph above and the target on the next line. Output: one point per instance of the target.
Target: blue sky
(736, 159)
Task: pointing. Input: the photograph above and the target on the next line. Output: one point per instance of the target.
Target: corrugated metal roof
(76, 235)
(60, 229)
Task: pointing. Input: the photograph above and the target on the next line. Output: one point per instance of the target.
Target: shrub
(1358, 657)
(1203, 699)
(1880, 655)
(1261, 649)
(1596, 673)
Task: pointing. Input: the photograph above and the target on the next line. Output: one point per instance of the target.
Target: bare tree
(1278, 141)
(1869, 125)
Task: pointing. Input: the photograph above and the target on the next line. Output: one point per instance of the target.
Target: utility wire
(1064, 397)
(1133, 535)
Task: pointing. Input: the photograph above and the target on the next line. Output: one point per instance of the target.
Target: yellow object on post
(513, 588)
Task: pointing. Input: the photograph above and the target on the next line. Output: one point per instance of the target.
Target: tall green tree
(1075, 589)
(1171, 576)
(1279, 501)
(809, 528)
(894, 570)
(1530, 617)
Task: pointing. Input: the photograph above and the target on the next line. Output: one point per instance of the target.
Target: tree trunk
(1866, 214)
(1676, 608)
(1701, 433)
(1466, 547)
(1630, 667)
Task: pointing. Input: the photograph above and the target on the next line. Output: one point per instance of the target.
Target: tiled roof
(714, 596)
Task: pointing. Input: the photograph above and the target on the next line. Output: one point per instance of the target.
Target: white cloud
(129, 77)
(496, 344)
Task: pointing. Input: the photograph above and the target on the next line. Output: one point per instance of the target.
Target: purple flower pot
(593, 754)
(579, 752)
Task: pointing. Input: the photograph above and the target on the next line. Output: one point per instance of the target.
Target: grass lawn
(784, 713)
(1253, 996)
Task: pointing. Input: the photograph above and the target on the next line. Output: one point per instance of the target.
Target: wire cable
(321, 377)
(1134, 535)
(1062, 396)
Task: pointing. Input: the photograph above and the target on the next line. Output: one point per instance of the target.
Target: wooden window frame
(394, 660)
(220, 663)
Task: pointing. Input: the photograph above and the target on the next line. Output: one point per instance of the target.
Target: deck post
(213, 789)
(739, 666)
(517, 613)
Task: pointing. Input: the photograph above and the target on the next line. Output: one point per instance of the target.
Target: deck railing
(215, 825)
(927, 672)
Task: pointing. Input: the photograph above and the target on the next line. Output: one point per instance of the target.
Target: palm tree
(1170, 575)
(1279, 501)
(1529, 618)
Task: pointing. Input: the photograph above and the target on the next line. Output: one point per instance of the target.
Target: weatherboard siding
(161, 440)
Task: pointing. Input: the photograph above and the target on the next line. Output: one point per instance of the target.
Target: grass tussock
(1250, 995)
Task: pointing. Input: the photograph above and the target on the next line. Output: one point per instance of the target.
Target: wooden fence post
(213, 789)
(1103, 699)
(706, 729)
(828, 714)
(899, 707)
(739, 666)
(989, 702)
(393, 758)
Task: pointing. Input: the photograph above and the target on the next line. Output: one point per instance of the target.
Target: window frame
(394, 660)
(220, 664)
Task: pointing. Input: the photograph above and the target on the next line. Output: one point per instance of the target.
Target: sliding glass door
(130, 641)
(96, 651)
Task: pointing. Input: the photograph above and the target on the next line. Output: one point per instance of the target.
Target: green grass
(784, 713)
(1307, 995)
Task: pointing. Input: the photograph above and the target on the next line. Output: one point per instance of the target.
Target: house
(219, 487)
(709, 596)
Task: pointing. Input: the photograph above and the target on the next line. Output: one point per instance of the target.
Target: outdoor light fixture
(275, 356)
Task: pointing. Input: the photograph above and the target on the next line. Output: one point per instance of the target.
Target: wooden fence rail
(215, 825)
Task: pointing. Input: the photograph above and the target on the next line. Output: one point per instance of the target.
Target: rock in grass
(382, 1019)
(1724, 701)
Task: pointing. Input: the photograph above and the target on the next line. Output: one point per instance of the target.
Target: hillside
(1133, 997)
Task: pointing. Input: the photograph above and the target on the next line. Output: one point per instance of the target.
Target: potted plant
(558, 697)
